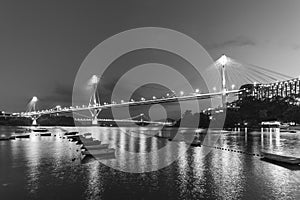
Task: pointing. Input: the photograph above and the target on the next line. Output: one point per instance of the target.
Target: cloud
(296, 47)
(237, 42)
(60, 94)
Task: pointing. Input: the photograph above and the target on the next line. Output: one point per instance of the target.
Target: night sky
(43, 43)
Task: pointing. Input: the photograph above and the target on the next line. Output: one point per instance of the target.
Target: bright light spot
(122, 101)
(197, 90)
(168, 94)
(223, 60)
(34, 99)
(154, 97)
(214, 88)
(94, 79)
(232, 86)
(181, 93)
(143, 99)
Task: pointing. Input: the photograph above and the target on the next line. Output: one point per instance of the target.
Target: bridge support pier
(34, 121)
(95, 113)
(95, 121)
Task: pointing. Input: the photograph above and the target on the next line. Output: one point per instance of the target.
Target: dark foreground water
(50, 168)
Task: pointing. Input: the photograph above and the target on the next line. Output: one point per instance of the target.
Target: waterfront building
(267, 91)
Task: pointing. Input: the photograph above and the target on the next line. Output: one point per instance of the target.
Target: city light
(154, 97)
(197, 90)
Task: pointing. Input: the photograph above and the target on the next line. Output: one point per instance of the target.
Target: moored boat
(71, 133)
(95, 147)
(45, 134)
(99, 152)
(281, 158)
(40, 130)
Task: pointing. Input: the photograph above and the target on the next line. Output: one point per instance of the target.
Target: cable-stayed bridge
(233, 75)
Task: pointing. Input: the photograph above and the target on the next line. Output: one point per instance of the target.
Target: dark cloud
(296, 47)
(61, 94)
(237, 42)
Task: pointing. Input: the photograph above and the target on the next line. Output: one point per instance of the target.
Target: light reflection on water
(44, 168)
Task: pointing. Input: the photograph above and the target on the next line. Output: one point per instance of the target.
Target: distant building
(264, 91)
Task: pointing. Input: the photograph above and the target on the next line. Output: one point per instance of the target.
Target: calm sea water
(51, 168)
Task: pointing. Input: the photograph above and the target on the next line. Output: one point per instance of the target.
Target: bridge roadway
(131, 103)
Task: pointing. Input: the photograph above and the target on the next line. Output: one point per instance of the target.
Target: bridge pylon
(94, 100)
(223, 61)
(32, 109)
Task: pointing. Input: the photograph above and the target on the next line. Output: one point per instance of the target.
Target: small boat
(45, 134)
(22, 130)
(71, 133)
(22, 136)
(40, 130)
(95, 147)
(87, 134)
(99, 152)
(12, 137)
(81, 140)
(281, 158)
(4, 138)
(91, 143)
(196, 143)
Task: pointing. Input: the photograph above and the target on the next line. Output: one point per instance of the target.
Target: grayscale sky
(43, 43)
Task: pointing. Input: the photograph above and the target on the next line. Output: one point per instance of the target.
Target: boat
(22, 136)
(99, 152)
(45, 134)
(281, 158)
(87, 134)
(71, 133)
(40, 130)
(72, 137)
(22, 130)
(90, 143)
(81, 140)
(94, 147)
(4, 138)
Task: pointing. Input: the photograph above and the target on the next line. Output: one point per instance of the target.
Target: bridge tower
(32, 108)
(94, 100)
(223, 61)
